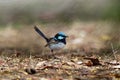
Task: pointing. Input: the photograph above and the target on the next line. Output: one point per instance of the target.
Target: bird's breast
(56, 46)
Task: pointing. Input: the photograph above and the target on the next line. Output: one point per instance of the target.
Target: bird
(56, 42)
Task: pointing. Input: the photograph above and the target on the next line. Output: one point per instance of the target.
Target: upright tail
(40, 33)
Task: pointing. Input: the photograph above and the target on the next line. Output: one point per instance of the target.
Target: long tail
(40, 33)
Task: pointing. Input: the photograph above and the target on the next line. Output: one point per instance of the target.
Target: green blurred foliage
(59, 11)
(113, 11)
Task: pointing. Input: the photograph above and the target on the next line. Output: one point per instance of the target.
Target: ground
(61, 66)
(88, 55)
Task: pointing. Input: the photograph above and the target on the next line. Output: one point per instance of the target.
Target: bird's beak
(66, 36)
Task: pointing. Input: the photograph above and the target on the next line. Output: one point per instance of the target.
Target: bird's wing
(51, 41)
(41, 33)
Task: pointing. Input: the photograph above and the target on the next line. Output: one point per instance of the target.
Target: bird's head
(61, 36)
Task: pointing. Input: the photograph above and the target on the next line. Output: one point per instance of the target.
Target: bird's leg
(52, 53)
(52, 50)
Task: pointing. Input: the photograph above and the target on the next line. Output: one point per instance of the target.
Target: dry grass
(24, 48)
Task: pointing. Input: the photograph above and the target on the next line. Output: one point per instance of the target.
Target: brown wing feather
(52, 41)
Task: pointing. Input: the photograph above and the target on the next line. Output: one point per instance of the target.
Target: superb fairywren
(54, 43)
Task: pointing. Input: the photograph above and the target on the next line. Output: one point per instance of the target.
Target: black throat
(60, 40)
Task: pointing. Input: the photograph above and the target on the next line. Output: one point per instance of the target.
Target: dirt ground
(24, 65)
(85, 57)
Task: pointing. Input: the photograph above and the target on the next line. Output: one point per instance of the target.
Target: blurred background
(92, 25)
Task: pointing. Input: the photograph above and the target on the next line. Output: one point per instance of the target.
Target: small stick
(113, 51)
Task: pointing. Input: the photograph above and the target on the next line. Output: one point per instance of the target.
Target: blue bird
(54, 43)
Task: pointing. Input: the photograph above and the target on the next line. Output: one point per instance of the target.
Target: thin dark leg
(52, 53)
(52, 50)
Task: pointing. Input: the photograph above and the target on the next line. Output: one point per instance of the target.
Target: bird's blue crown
(61, 34)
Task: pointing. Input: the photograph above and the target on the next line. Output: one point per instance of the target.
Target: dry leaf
(30, 71)
(94, 61)
(40, 64)
(79, 62)
(89, 63)
(116, 67)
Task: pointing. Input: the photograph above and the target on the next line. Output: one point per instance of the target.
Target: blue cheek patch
(60, 37)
